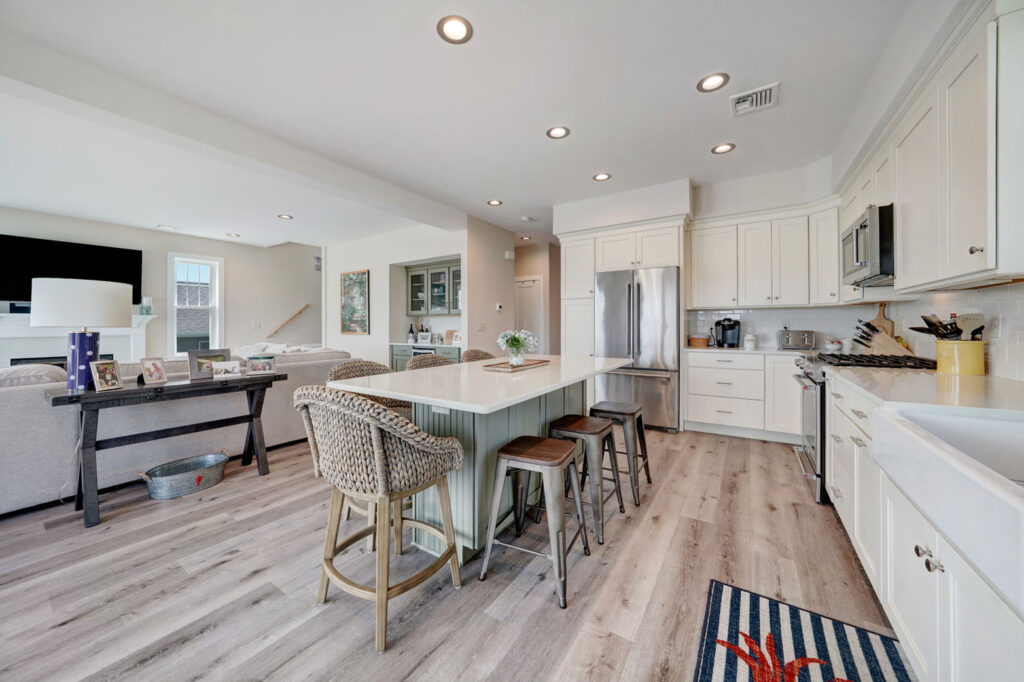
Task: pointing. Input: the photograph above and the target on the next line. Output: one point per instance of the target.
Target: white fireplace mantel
(20, 340)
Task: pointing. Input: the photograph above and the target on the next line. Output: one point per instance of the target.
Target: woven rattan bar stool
(631, 418)
(597, 436)
(549, 457)
(474, 354)
(429, 360)
(368, 452)
(364, 368)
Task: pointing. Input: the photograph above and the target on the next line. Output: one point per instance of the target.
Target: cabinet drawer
(401, 352)
(726, 360)
(726, 411)
(853, 404)
(841, 491)
(840, 440)
(726, 383)
(450, 353)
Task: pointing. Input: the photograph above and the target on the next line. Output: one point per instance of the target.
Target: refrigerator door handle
(642, 373)
(636, 323)
(629, 320)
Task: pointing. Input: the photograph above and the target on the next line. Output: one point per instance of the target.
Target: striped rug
(750, 638)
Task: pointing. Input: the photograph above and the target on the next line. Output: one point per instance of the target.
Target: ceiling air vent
(755, 100)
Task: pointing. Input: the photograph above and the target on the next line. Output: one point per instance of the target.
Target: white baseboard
(740, 432)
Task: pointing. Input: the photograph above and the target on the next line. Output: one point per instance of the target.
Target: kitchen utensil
(923, 330)
(862, 337)
(870, 326)
(976, 333)
(866, 332)
(932, 321)
(883, 323)
(856, 340)
(970, 321)
(960, 357)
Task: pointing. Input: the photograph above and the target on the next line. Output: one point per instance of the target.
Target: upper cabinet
(713, 267)
(823, 249)
(754, 254)
(416, 292)
(641, 249)
(433, 289)
(789, 261)
(578, 268)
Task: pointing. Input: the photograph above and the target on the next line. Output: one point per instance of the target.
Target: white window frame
(216, 297)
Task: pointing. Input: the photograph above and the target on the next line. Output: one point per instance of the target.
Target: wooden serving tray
(505, 367)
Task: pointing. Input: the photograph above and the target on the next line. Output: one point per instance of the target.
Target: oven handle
(798, 451)
(804, 382)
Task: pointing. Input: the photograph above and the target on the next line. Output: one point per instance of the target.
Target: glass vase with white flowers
(517, 343)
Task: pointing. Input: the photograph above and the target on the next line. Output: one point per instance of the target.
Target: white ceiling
(370, 84)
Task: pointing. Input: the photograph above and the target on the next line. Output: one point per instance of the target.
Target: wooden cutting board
(883, 323)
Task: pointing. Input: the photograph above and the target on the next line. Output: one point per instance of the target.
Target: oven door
(810, 455)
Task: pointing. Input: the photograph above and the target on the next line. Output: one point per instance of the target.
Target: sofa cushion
(29, 375)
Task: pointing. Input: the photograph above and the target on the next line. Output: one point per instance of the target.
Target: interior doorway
(531, 308)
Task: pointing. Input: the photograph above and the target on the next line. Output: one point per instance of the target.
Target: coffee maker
(726, 333)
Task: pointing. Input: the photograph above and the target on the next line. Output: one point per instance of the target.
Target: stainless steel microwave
(867, 249)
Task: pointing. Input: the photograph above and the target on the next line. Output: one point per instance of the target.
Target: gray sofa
(38, 456)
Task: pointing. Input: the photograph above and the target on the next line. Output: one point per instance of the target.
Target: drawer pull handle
(932, 565)
(976, 249)
(857, 441)
(837, 493)
(922, 551)
(836, 396)
(723, 411)
(837, 438)
(724, 383)
(858, 414)
(723, 360)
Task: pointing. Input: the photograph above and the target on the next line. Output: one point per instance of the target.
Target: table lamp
(80, 303)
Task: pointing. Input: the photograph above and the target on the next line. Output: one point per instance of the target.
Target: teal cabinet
(416, 292)
(433, 289)
(401, 353)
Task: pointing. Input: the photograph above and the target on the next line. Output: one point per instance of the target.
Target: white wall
(378, 254)
(489, 281)
(788, 187)
(263, 286)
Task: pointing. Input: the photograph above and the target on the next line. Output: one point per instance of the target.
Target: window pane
(193, 272)
(182, 271)
(193, 294)
(204, 274)
(193, 330)
(204, 294)
(181, 297)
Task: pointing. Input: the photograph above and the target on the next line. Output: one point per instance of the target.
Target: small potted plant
(517, 343)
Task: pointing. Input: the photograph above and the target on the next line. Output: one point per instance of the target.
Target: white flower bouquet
(517, 343)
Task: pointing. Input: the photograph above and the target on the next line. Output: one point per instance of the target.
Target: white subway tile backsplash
(1003, 307)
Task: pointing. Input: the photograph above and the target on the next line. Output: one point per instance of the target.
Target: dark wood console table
(91, 402)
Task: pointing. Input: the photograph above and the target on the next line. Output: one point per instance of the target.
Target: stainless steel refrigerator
(636, 315)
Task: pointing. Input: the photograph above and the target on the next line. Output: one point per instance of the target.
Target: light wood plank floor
(221, 584)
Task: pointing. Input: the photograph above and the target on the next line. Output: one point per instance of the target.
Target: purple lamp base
(83, 348)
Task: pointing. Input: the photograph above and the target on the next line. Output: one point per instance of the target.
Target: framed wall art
(355, 302)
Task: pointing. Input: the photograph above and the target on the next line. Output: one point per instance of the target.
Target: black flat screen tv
(22, 258)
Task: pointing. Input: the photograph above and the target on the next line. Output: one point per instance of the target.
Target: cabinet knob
(858, 414)
(836, 492)
(768, 298)
(932, 565)
(776, 298)
(837, 438)
(976, 249)
(922, 551)
(732, 299)
(837, 396)
(857, 441)
(833, 294)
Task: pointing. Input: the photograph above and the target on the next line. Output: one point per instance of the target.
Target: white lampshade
(80, 303)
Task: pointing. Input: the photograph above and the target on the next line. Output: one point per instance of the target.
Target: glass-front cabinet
(438, 278)
(455, 302)
(416, 292)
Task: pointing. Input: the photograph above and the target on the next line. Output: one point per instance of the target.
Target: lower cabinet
(783, 399)
(867, 513)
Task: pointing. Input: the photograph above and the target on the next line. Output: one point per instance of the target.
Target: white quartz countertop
(897, 387)
(468, 386)
(762, 351)
(426, 345)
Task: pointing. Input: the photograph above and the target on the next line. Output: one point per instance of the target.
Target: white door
(755, 263)
(530, 308)
(578, 327)
(657, 248)
(783, 399)
(713, 267)
(916, 159)
(789, 261)
(824, 251)
(616, 252)
(578, 268)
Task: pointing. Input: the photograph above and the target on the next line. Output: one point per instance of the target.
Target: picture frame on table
(261, 364)
(153, 371)
(227, 369)
(355, 302)
(200, 362)
(106, 375)
(457, 338)
(423, 337)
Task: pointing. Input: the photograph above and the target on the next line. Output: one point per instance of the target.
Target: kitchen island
(484, 410)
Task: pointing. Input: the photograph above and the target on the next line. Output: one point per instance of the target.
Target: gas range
(813, 366)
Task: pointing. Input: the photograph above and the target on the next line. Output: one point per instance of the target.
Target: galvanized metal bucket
(184, 476)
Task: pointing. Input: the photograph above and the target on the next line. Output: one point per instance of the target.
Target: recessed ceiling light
(494, 202)
(526, 239)
(724, 148)
(712, 82)
(558, 132)
(170, 228)
(285, 216)
(234, 234)
(454, 29)
(601, 177)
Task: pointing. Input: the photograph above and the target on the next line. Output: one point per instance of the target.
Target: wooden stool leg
(500, 470)
(371, 541)
(629, 435)
(346, 509)
(449, 529)
(383, 559)
(553, 484)
(609, 442)
(643, 445)
(396, 512)
(575, 484)
(594, 457)
(331, 541)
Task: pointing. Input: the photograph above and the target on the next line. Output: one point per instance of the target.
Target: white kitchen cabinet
(823, 249)
(754, 278)
(616, 252)
(713, 267)
(578, 268)
(882, 172)
(658, 247)
(867, 514)
(782, 395)
(578, 326)
(911, 592)
(789, 261)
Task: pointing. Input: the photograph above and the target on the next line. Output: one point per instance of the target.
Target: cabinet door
(437, 283)
(790, 262)
(616, 252)
(911, 593)
(883, 178)
(867, 192)
(867, 524)
(578, 269)
(416, 292)
(578, 326)
(657, 248)
(824, 261)
(713, 267)
(455, 279)
(783, 399)
(980, 636)
(967, 242)
(754, 252)
(916, 165)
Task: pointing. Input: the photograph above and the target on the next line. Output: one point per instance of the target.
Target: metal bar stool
(549, 457)
(597, 435)
(630, 417)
